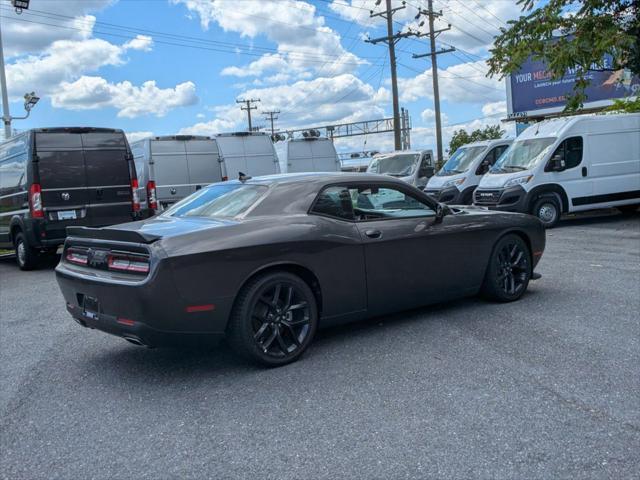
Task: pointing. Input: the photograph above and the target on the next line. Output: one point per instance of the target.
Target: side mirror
(441, 211)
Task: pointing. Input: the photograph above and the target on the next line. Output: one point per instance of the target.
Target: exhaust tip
(134, 340)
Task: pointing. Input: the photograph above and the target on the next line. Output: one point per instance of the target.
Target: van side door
(573, 171)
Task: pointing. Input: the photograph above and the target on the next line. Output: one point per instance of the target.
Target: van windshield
(523, 155)
(228, 200)
(461, 160)
(399, 165)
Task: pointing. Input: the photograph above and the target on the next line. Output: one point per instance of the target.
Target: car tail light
(35, 201)
(135, 199)
(152, 197)
(77, 257)
(128, 263)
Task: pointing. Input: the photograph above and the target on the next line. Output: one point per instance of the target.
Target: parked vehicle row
(557, 166)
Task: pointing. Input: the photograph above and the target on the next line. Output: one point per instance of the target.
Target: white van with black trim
(458, 178)
(567, 164)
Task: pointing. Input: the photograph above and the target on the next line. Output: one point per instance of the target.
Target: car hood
(437, 181)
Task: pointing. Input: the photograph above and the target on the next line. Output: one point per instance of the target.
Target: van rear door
(62, 176)
(85, 176)
(203, 162)
(300, 156)
(170, 170)
(260, 156)
(109, 170)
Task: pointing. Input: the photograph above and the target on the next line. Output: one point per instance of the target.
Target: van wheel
(26, 257)
(274, 319)
(548, 211)
(509, 270)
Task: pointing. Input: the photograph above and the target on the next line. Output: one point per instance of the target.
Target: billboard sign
(532, 91)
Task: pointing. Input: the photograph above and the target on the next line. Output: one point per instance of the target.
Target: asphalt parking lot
(547, 387)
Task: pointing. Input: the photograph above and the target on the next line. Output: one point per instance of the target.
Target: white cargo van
(312, 154)
(251, 153)
(173, 167)
(456, 181)
(567, 164)
(413, 166)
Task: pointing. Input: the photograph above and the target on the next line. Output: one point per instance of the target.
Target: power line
(271, 115)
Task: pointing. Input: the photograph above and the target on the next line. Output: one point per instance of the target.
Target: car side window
(334, 202)
(372, 202)
(570, 151)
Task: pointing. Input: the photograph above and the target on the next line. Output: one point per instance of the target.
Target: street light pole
(6, 116)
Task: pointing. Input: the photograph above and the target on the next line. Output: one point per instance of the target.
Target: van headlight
(454, 183)
(518, 181)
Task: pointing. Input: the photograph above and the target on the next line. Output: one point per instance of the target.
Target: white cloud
(141, 42)
(88, 93)
(464, 82)
(304, 41)
(429, 117)
(212, 127)
(305, 103)
(494, 108)
(22, 36)
(135, 136)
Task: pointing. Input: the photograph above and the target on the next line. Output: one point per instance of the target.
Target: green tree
(461, 137)
(571, 34)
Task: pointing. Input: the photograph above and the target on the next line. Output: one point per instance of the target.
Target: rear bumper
(151, 312)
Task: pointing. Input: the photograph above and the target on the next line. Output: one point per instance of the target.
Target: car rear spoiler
(112, 234)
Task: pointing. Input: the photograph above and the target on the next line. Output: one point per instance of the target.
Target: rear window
(228, 200)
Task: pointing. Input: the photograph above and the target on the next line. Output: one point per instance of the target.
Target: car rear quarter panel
(212, 266)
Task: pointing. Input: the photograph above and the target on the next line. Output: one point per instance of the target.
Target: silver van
(172, 167)
(251, 153)
(312, 154)
(413, 166)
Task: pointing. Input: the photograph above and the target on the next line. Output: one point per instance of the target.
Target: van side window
(334, 202)
(570, 151)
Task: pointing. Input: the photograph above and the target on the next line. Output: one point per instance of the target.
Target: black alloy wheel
(281, 320)
(274, 319)
(509, 270)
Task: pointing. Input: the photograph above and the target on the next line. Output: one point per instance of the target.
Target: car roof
(318, 178)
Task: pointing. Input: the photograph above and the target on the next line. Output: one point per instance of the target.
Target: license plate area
(90, 307)
(66, 214)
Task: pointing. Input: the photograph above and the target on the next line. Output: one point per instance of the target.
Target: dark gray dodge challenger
(266, 261)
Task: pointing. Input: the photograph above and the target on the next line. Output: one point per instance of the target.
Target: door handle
(99, 193)
(373, 233)
(584, 171)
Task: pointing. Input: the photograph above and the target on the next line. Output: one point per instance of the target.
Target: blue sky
(177, 66)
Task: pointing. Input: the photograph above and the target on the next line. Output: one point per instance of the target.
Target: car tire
(26, 257)
(548, 211)
(628, 209)
(273, 320)
(509, 270)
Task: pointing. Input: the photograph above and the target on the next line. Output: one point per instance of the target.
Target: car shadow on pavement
(183, 365)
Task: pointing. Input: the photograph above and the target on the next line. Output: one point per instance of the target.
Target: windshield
(461, 160)
(228, 200)
(399, 165)
(523, 155)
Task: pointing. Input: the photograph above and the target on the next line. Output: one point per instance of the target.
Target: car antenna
(242, 177)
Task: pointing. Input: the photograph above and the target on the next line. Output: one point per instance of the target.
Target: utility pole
(391, 40)
(6, 116)
(434, 68)
(272, 115)
(248, 107)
